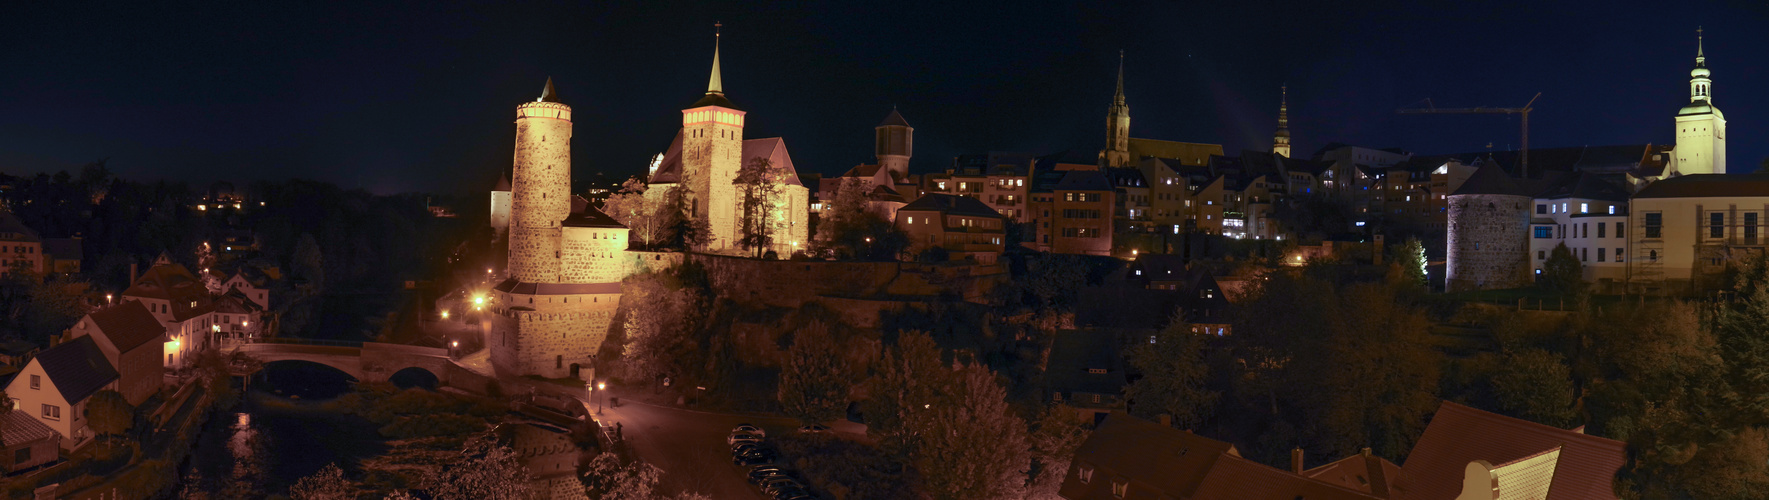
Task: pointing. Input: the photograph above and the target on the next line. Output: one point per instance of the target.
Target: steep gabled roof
(1459, 435)
(9, 224)
(1586, 186)
(590, 217)
(77, 367)
(128, 325)
(774, 150)
(1362, 472)
(176, 285)
(235, 302)
(669, 171)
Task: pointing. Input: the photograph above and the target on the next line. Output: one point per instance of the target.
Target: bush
(840, 468)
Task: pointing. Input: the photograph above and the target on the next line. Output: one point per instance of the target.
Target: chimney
(54, 339)
(1166, 420)
(1296, 460)
(1378, 476)
(132, 271)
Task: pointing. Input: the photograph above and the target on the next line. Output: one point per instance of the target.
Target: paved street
(690, 446)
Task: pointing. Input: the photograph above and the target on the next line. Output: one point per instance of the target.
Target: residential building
(20, 247)
(132, 341)
(959, 226)
(1081, 221)
(1086, 373)
(1467, 453)
(181, 303)
(251, 283)
(1588, 215)
(1683, 233)
(54, 386)
(62, 255)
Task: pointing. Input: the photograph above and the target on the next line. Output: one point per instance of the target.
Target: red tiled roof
(77, 367)
(1459, 435)
(1158, 461)
(176, 285)
(128, 325)
(774, 149)
(1236, 478)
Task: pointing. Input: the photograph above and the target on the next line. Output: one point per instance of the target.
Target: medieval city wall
(534, 254)
(1488, 244)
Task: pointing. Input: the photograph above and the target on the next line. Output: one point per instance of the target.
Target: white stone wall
(540, 190)
(593, 255)
(500, 211)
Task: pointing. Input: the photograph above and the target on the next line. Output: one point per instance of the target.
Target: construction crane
(1523, 163)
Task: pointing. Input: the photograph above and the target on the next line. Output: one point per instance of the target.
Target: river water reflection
(270, 440)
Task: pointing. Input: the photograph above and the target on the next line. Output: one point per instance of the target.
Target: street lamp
(601, 387)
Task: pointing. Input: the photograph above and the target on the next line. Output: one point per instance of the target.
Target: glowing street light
(445, 315)
(107, 299)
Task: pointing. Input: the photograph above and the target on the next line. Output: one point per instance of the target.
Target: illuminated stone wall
(593, 255)
(500, 211)
(540, 190)
(1488, 244)
(545, 334)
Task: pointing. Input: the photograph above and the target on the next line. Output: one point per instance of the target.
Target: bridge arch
(414, 376)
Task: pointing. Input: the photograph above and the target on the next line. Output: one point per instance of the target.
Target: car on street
(766, 472)
(790, 493)
(750, 460)
(774, 485)
(749, 429)
(814, 429)
(743, 438)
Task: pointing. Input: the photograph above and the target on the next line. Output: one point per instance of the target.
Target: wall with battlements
(546, 334)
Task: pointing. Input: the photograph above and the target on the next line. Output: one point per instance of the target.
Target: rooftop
(77, 368)
(950, 205)
(1707, 186)
(1459, 434)
(128, 325)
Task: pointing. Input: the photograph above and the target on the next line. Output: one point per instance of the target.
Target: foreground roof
(18, 427)
(514, 285)
(1169, 461)
(77, 367)
(1236, 478)
(1459, 435)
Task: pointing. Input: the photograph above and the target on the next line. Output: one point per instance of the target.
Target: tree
(327, 484)
(309, 264)
(647, 216)
(1562, 273)
(759, 186)
(109, 413)
(1534, 385)
(848, 229)
(818, 375)
(1409, 259)
(486, 470)
(908, 377)
(976, 446)
(1173, 378)
(1059, 431)
(53, 305)
(665, 325)
(683, 230)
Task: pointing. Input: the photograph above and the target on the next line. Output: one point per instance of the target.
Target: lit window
(1584, 208)
(1084, 473)
(1612, 210)
(1119, 488)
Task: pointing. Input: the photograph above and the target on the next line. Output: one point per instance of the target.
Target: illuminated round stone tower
(541, 188)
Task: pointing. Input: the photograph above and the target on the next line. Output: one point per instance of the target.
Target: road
(690, 446)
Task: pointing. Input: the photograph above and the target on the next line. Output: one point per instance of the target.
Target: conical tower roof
(548, 94)
(1490, 179)
(716, 83)
(894, 119)
(1118, 96)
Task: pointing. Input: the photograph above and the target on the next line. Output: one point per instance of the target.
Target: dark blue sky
(419, 96)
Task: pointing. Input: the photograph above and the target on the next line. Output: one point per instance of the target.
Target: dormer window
(1084, 473)
(1119, 488)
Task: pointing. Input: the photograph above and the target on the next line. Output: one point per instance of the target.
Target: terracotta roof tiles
(1458, 435)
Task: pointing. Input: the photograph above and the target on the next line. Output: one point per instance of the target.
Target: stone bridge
(365, 361)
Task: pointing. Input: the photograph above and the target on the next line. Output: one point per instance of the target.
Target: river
(271, 440)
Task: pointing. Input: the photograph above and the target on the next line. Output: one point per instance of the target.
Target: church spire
(1281, 139)
(1118, 97)
(716, 84)
(1700, 86)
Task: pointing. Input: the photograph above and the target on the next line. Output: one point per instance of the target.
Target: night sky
(420, 96)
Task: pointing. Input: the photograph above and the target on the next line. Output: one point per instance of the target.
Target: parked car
(743, 438)
(774, 485)
(764, 473)
(814, 429)
(750, 460)
(749, 429)
(791, 493)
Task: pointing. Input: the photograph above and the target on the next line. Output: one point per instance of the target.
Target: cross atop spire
(1700, 59)
(1118, 97)
(716, 84)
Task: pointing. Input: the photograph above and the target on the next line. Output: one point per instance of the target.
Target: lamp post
(601, 389)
